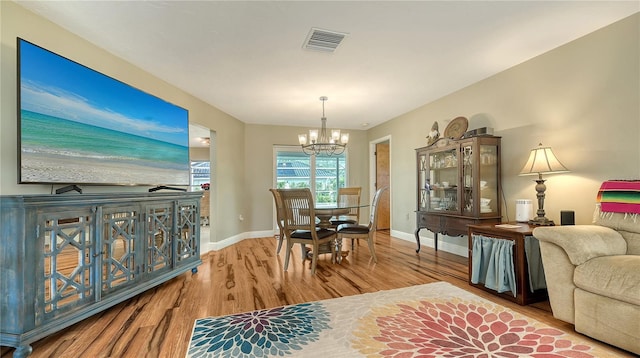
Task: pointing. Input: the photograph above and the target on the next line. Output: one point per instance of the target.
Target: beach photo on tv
(80, 126)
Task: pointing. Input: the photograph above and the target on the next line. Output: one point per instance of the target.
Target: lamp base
(541, 221)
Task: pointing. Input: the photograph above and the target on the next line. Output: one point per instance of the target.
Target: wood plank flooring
(248, 276)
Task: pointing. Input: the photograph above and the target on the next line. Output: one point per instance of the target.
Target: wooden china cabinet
(458, 185)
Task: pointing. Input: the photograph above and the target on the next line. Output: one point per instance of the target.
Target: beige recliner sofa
(593, 276)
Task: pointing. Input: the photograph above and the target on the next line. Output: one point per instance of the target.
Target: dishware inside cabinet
(458, 185)
(443, 179)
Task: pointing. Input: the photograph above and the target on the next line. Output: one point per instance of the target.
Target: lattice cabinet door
(187, 231)
(159, 222)
(66, 271)
(120, 249)
(64, 258)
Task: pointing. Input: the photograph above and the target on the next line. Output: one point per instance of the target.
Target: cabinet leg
(417, 234)
(22, 351)
(194, 270)
(435, 240)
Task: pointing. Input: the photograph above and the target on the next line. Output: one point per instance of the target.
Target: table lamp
(542, 161)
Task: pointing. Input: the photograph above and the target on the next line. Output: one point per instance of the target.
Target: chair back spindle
(300, 224)
(349, 196)
(277, 199)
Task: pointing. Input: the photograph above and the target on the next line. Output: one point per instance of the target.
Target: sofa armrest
(558, 271)
(583, 242)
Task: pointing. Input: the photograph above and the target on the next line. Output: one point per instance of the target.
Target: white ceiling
(246, 57)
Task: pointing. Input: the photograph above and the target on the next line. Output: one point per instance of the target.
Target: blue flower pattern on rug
(272, 332)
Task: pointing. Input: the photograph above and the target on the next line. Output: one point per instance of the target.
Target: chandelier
(319, 143)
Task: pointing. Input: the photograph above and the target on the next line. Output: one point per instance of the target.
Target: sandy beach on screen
(76, 170)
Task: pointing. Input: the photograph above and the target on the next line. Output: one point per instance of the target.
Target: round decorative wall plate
(456, 128)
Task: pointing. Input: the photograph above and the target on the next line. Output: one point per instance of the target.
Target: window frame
(312, 168)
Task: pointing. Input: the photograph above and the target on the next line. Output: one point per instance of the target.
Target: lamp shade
(542, 161)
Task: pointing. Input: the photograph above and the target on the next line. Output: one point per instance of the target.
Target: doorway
(380, 166)
(201, 149)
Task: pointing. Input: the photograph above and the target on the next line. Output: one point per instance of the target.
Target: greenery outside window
(322, 174)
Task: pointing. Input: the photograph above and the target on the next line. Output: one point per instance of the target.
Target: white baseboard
(219, 245)
(444, 243)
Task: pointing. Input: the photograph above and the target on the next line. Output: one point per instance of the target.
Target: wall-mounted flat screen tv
(79, 126)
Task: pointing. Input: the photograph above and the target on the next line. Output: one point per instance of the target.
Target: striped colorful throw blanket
(620, 196)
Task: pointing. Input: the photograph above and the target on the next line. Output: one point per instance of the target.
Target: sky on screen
(56, 86)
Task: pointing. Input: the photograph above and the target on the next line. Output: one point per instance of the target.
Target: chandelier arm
(323, 144)
(305, 149)
(324, 148)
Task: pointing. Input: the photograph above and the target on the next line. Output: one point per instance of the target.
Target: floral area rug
(432, 320)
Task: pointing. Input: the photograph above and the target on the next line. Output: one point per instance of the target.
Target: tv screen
(78, 126)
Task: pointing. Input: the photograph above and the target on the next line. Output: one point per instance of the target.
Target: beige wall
(199, 154)
(17, 22)
(582, 99)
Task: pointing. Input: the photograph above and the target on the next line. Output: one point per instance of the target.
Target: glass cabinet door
(467, 178)
(188, 225)
(120, 253)
(480, 176)
(443, 180)
(423, 182)
(488, 165)
(67, 279)
(159, 237)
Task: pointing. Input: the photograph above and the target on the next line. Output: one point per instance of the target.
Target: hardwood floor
(249, 276)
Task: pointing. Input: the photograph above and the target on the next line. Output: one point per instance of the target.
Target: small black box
(567, 217)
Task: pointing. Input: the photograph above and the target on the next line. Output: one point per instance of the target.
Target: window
(200, 174)
(322, 174)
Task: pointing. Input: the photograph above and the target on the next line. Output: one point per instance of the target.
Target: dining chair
(357, 231)
(300, 225)
(279, 218)
(348, 197)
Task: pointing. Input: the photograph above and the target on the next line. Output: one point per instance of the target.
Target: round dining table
(324, 214)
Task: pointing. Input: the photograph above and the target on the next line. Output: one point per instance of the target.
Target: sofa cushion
(612, 321)
(628, 225)
(583, 242)
(633, 241)
(611, 276)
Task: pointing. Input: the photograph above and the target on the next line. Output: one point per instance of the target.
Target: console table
(518, 234)
(64, 258)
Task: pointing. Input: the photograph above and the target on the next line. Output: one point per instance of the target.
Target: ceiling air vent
(323, 40)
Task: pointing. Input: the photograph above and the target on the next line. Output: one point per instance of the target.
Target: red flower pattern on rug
(462, 329)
